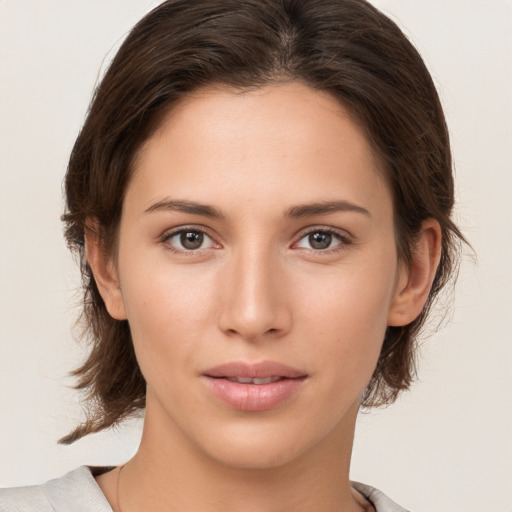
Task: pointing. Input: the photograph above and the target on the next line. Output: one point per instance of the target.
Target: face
(257, 268)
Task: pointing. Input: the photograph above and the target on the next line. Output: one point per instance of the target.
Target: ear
(415, 280)
(104, 271)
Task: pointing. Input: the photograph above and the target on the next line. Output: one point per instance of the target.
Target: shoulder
(377, 498)
(76, 490)
(17, 499)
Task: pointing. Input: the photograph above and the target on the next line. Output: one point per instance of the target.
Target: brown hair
(344, 47)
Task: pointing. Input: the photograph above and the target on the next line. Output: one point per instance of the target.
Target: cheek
(157, 292)
(349, 334)
(168, 315)
(347, 317)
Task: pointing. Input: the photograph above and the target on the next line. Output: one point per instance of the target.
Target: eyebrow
(295, 212)
(181, 205)
(323, 208)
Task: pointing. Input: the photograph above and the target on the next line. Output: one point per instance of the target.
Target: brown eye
(320, 240)
(191, 240)
(188, 240)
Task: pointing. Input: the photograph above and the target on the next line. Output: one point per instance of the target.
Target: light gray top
(77, 491)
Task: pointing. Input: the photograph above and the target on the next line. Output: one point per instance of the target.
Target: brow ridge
(295, 212)
(324, 208)
(185, 206)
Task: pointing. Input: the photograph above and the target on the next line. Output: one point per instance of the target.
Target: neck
(168, 473)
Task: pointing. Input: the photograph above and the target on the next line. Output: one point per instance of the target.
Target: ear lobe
(104, 271)
(414, 282)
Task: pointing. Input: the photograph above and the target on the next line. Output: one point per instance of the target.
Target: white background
(446, 445)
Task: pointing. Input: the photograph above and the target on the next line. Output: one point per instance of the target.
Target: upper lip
(258, 370)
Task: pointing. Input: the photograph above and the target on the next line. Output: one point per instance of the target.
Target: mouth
(254, 386)
(249, 380)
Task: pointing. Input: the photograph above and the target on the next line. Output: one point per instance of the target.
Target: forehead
(280, 139)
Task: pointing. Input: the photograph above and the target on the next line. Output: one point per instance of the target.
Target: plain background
(447, 444)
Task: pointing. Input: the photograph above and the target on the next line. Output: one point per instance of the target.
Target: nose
(253, 301)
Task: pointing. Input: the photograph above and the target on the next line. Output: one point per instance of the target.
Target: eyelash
(167, 237)
(344, 240)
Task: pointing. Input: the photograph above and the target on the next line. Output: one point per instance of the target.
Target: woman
(261, 199)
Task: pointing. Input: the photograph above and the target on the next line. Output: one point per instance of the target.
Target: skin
(256, 290)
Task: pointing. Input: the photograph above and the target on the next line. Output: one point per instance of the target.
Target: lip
(254, 397)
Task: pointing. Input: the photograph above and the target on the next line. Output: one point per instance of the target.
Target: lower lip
(254, 397)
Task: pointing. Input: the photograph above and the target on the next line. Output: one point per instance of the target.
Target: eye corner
(189, 240)
(322, 240)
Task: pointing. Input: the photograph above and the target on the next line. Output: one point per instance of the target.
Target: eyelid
(170, 233)
(344, 237)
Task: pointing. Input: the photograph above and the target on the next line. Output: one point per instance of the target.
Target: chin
(260, 447)
(253, 456)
